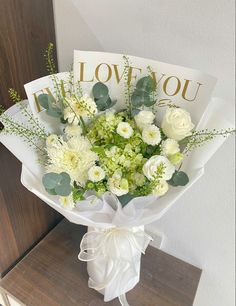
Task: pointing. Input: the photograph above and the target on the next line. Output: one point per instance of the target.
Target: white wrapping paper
(104, 215)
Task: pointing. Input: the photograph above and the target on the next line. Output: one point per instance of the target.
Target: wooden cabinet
(52, 275)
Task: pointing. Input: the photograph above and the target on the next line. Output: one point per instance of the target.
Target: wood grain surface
(26, 28)
(52, 275)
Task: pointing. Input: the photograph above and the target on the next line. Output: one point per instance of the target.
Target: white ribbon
(116, 247)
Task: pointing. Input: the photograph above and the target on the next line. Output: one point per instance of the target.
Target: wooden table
(51, 275)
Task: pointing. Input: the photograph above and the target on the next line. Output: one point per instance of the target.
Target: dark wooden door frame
(26, 28)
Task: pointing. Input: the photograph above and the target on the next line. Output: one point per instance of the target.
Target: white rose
(96, 174)
(118, 185)
(161, 188)
(169, 147)
(124, 129)
(73, 130)
(67, 202)
(152, 165)
(151, 135)
(144, 118)
(177, 123)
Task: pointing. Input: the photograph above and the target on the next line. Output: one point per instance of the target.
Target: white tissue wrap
(113, 258)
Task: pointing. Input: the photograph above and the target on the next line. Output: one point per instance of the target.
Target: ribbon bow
(116, 249)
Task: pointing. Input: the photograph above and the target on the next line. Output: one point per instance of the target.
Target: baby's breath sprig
(127, 84)
(51, 68)
(28, 135)
(33, 121)
(199, 138)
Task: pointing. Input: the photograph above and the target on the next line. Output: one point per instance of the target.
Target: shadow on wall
(74, 29)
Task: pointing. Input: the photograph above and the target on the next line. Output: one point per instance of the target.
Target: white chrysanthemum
(151, 135)
(79, 107)
(96, 174)
(73, 130)
(73, 157)
(169, 147)
(161, 188)
(124, 129)
(52, 140)
(144, 118)
(67, 202)
(118, 185)
(152, 165)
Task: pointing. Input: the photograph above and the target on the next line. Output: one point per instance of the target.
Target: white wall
(198, 34)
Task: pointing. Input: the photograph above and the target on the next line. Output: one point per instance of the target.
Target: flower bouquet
(112, 145)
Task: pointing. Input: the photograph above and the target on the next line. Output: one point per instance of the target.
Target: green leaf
(149, 102)
(51, 191)
(135, 111)
(54, 112)
(44, 100)
(100, 90)
(179, 178)
(51, 180)
(65, 177)
(63, 189)
(125, 199)
(110, 103)
(146, 84)
(102, 103)
(139, 98)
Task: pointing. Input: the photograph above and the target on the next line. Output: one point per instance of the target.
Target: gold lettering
(186, 88)
(37, 103)
(130, 74)
(118, 77)
(178, 86)
(82, 73)
(109, 73)
(155, 78)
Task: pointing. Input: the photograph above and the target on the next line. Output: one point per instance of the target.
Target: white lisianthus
(124, 129)
(151, 135)
(169, 147)
(177, 123)
(67, 202)
(118, 185)
(73, 130)
(79, 107)
(96, 174)
(52, 140)
(161, 188)
(156, 163)
(144, 118)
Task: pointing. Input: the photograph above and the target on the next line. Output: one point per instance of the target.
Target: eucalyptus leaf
(135, 111)
(139, 98)
(125, 199)
(54, 112)
(51, 191)
(146, 84)
(63, 190)
(179, 178)
(44, 100)
(101, 103)
(51, 180)
(100, 90)
(65, 176)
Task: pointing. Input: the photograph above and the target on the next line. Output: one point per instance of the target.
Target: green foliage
(57, 184)
(179, 178)
(50, 63)
(143, 92)
(14, 96)
(101, 96)
(199, 138)
(47, 102)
